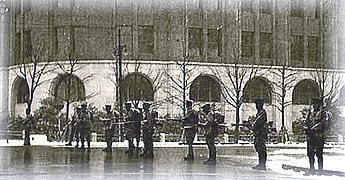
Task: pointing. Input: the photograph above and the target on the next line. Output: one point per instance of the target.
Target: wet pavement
(44, 162)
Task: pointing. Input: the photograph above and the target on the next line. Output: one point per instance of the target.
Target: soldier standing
(131, 118)
(73, 125)
(86, 118)
(109, 123)
(148, 127)
(190, 125)
(28, 125)
(315, 128)
(260, 134)
(211, 131)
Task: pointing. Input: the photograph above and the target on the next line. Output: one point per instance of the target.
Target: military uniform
(72, 126)
(28, 125)
(148, 127)
(190, 124)
(110, 119)
(260, 131)
(132, 119)
(85, 117)
(210, 124)
(315, 128)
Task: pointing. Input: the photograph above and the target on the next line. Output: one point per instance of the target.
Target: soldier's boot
(211, 158)
(89, 145)
(190, 155)
(311, 167)
(130, 147)
(320, 165)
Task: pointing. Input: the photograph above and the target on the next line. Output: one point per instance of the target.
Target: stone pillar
(4, 62)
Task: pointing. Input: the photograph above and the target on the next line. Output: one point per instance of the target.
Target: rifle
(248, 126)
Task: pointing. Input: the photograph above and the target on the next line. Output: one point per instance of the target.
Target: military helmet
(108, 105)
(259, 101)
(317, 100)
(83, 104)
(128, 104)
(146, 105)
(189, 102)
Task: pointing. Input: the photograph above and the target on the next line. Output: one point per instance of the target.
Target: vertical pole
(119, 51)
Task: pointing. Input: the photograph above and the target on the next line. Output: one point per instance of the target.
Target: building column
(4, 62)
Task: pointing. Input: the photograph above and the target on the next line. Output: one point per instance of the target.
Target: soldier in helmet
(190, 125)
(131, 119)
(109, 126)
(260, 131)
(315, 128)
(148, 127)
(86, 117)
(73, 126)
(210, 125)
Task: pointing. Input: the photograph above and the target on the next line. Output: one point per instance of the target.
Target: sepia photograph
(172, 89)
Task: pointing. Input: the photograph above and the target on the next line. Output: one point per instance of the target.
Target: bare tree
(180, 85)
(233, 87)
(329, 83)
(284, 82)
(32, 68)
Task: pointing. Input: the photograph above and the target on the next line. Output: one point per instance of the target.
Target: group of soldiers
(80, 127)
(135, 121)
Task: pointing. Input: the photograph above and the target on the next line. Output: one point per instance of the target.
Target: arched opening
(258, 87)
(205, 88)
(304, 91)
(65, 91)
(137, 87)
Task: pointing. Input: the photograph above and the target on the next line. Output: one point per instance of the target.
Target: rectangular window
(247, 44)
(194, 41)
(297, 48)
(247, 5)
(341, 50)
(17, 47)
(265, 6)
(55, 40)
(313, 49)
(72, 42)
(296, 8)
(27, 43)
(146, 39)
(214, 42)
(266, 45)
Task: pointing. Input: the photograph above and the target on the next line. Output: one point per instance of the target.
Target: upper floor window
(146, 39)
(27, 43)
(247, 44)
(266, 45)
(297, 48)
(313, 49)
(214, 42)
(195, 41)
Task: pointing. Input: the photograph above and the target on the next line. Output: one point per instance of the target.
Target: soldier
(210, 124)
(28, 125)
(131, 119)
(109, 123)
(86, 118)
(190, 125)
(260, 134)
(315, 128)
(72, 126)
(148, 127)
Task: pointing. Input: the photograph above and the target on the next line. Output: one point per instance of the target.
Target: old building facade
(171, 50)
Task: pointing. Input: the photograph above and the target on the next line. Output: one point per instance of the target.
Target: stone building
(172, 50)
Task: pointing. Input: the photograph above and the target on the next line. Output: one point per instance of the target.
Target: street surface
(233, 162)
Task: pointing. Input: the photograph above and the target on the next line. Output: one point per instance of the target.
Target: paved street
(234, 162)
